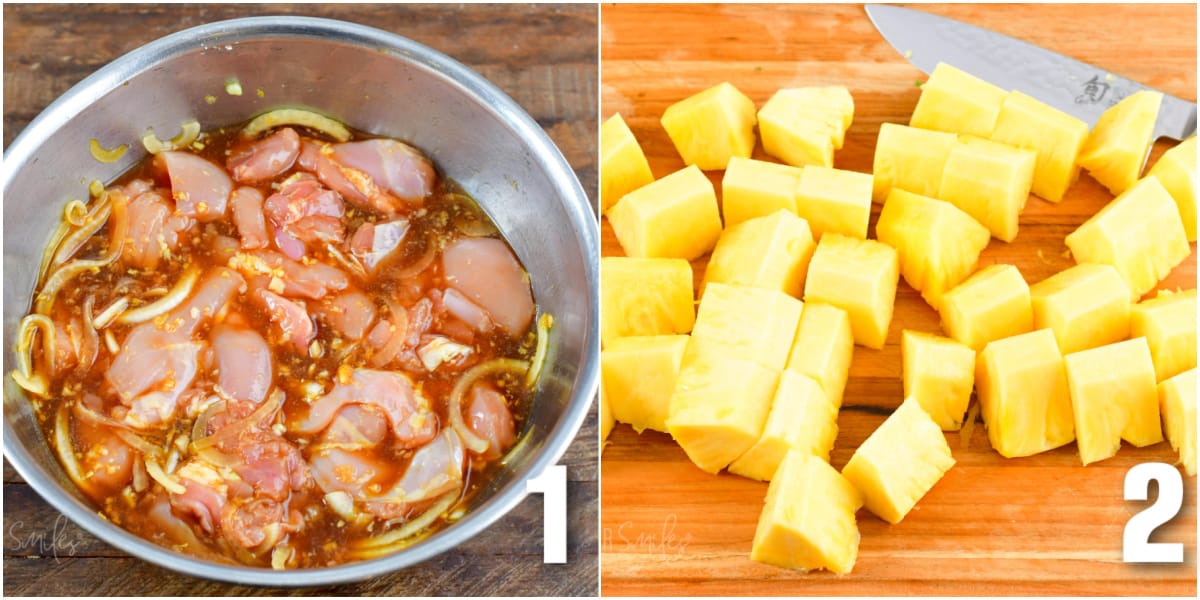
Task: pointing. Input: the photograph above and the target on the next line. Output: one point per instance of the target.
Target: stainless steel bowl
(374, 81)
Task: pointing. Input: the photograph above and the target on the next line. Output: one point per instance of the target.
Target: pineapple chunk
(1177, 401)
(834, 200)
(938, 245)
(1055, 136)
(803, 126)
(1176, 170)
(623, 165)
(939, 373)
(1140, 233)
(755, 188)
(769, 252)
(910, 159)
(1119, 143)
(808, 522)
(674, 217)
(801, 419)
(860, 277)
(1023, 394)
(720, 404)
(1114, 398)
(830, 104)
(900, 462)
(823, 348)
(992, 304)
(1168, 323)
(712, 126)
(1086, 306)
(639, 375)
(645, 296)
(955, 101)
(607, 422)
(989, 181)
(755, 323)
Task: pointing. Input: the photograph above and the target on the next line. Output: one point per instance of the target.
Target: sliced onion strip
(119, 229)
(296, 116)
(544, 325)
(261, 416)
(28, 326)
(75, 212)
(110, 313)
(188, 131)
(35, 384)
(417, 266)
(470, 440)
(171, 484)
(396, 341)
(173, 298)
(398, 538)
(66, 452)
(51, 249)
(137, 442)
(73, 242)
(89, 347)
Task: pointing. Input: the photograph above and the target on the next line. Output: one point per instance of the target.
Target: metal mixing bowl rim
(231, 32)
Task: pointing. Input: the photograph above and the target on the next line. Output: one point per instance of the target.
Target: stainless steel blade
(1074, 87)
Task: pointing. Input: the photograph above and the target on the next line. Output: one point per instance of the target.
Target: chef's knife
(1074, 87)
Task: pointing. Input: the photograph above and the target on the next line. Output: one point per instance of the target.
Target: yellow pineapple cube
(1114, 398)
(645, 296)
(807, 522)
(803, 126)
(1056, 137)
(830, 104)
(1140, 233)
(900, 462)
(755, 188)
(1168, 323)
(674, 217)
(1177, 402)
(1176, 170)
(989, 181)
(797, 139)
(623, 165)
(834, 200)
(823, 348)
(720, 404)
(639, 376)
(910, 159)
(992, 304)
(754, 323)
(1119, 143)
(607, 422)
(825, 100)
(769, 252)
(860, 277)
(939, 373)
(938, 245)
(1085, 306)
(712, 126)
(801, 419)
(955, 101)
(1023, 394)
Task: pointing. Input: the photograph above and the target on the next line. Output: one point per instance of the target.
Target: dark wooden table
(545, 58)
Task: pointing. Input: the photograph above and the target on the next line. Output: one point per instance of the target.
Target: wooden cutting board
(992, 526)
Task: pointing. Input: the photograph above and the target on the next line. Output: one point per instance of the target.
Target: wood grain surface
(545, 58)
(1042, 525)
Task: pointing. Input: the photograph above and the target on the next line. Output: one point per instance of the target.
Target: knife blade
(1069, 85)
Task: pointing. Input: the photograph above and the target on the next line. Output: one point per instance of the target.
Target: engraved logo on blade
(1094, 91)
